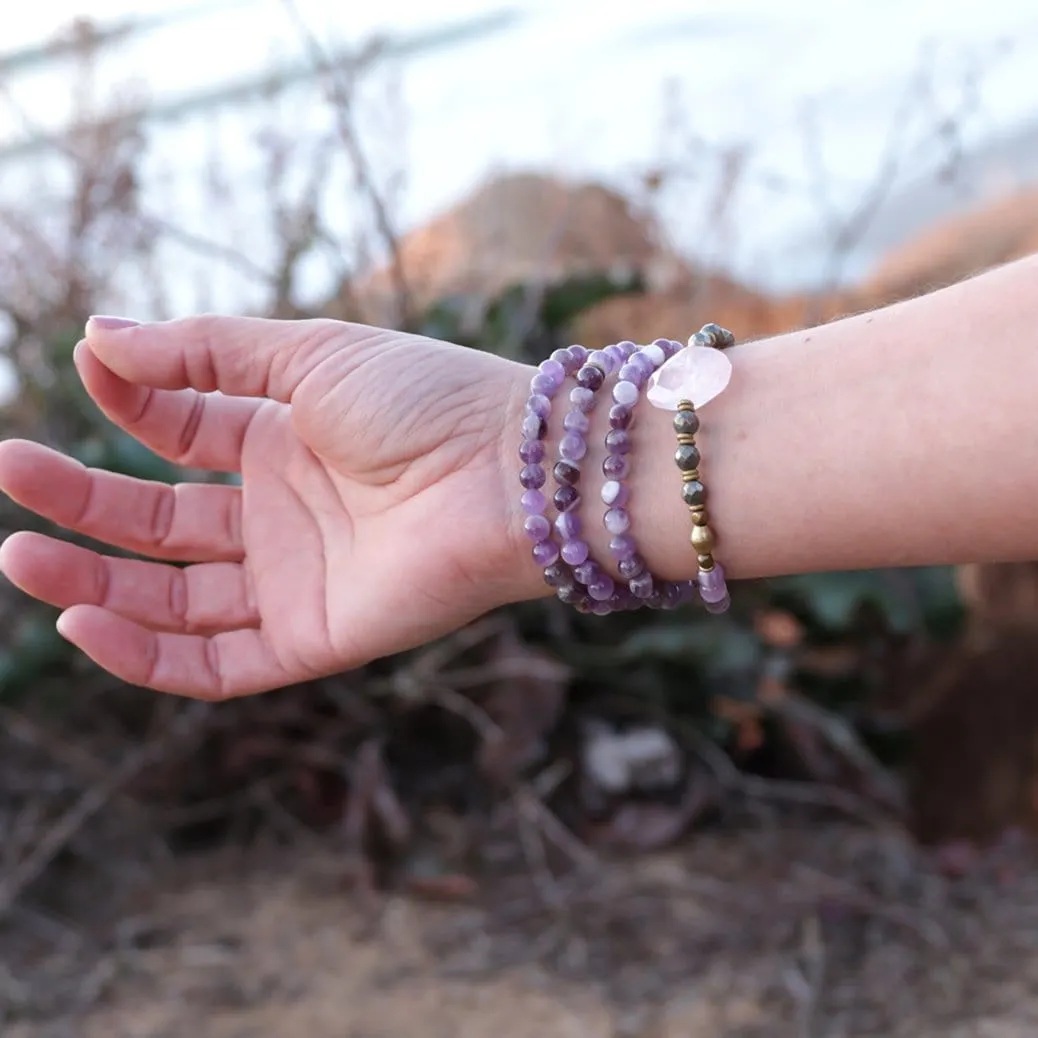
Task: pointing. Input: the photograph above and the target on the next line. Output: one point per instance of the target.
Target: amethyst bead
(579, 353)
(718, 607)
(616, 355)
(547, 384)
(622, 546)
(556, 575)
(633, 373)
(631, 566)
(532, 451)
(567, 472)
(618, 441)
(590, 377)
(617, 520)
(576, 421)
(568, 525)
(566, 499)
(604, 360)
(642, 586)
(534, 427)
(537, 527)
(588, 572)
(545, 553)
(553, 368)
(532, 477)
(616, 466)
(620, 416)
(533, 502)
(602, 588)
(614, 493)
(582, 398)
(538, 405)
(572, 446)
(575, 552)
(625, 393)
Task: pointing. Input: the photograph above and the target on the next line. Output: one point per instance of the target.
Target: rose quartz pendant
(696, 373)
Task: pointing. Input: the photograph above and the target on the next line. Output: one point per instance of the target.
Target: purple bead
(556, 575)
(537, 528)
(631, 566)
(538, 405)
(568, 525)
(534, 427)
(642, 586)
(617, 520)
(545, 553)
(531, 451)
(718, 607)
(591, 376)
(603, 360)
(575, 552)
(713, 595)
(549, 385)
(567, 472)
(533, 502)
(614, 493)
(532, 477)
(625, 393)
(615, 354)
(616, 466)
(553, 368)
(626, 347)
(672, 596)
(620, 416)
(643, 363)
(587, 572)
(573, 446)
(602, 588)
(579, 353)
(582, 398)
(564, 359)
(711, 579)
(571, 594)
(634, 374)
(622, 546)
(617, 441)
(576, 421)
(566, 499)
(600, 608)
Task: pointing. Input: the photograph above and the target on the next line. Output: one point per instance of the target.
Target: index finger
(239, 356)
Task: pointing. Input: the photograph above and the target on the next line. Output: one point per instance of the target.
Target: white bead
(696, 373)
(655, 354)
(610, 491)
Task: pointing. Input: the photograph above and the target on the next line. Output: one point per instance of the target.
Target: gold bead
(702, 539)
(699, 516)
(686, 438)
(685, 405)
(690, 476)
(706, 562)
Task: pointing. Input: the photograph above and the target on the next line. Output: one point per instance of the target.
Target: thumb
(239, 356)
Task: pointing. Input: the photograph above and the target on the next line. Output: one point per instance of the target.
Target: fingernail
(112, 324)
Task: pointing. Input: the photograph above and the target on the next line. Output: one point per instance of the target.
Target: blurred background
(813, 817)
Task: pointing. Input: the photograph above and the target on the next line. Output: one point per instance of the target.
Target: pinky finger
(223, 666)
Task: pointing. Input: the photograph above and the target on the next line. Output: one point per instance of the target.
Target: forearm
(906, 436)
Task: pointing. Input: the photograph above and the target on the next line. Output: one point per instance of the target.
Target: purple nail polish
(112, 324)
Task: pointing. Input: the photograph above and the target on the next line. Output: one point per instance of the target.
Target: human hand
(375, 511)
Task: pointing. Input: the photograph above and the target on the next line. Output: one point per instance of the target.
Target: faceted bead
(534, 427)
(693, 493)
(642, 586)
(533, 502)
(616, 466)
(617, 441)
(553, 368)
(631, 566)
(622, 546)
(617, 520)
(538, 405)
(590, 377)
(696, 374)
(531, 451)
(537, 528)
(556, 575)
(549, 385)
(582, 398)
(602, 588)
(566, 472)
(575, 552)
(686, 423)
(633, 373)
(545, 553)
(620, 416)
(566, 499)
(568, 525)
(532, 477)
(614, 493)
(576, 421)
(587, 572)
(625, 393)
(687, 457)
(573, 446)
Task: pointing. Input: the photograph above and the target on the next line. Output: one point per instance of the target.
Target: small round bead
(564, 359)
(553, 368)
(627, 347)
(640, 361)
(533, 502)
(549, 385)
(590, 377)
(556, 575)
(620, 416)
(537, 528)
(699, 516)
(631, 566)
(531, 451)
(539, 405)
(568, 525)
(602, 360)
(617, 441)
(625, 393)
(576, 421)
(545, 553)
(566, 472)
(582, 398)
(534, 427)
(633, 373)
(579, 353)
(686, 423)
(702, 539)
(602, 588)
(718, 607)
(622, 546)
(693, 493)
(587, 572)
(642, 586)
(616, 354)
(687, 457)
(615, 466)
(566, 498)
(600, 608)
(570, 594)
(614, 493)
(572, 446)
(532, 477)
(575, 552)
(654, 353)
(617, 520)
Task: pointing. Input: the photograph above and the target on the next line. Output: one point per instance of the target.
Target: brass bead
(699, 516)
(706, 563)
(690, 476)
(702, 539)
(685, 405)
(686, 438)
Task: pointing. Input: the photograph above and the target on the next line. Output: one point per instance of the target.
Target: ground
(762, 930)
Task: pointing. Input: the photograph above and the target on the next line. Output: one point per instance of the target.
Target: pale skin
(378, 506)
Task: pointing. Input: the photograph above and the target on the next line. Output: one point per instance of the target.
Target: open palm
(374, 511)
